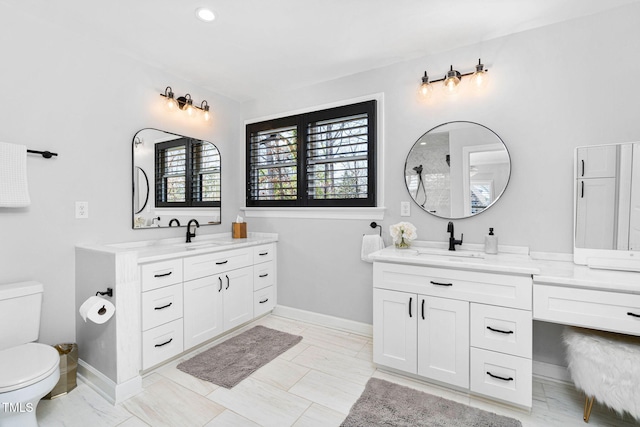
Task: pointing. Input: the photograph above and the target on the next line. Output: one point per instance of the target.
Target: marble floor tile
(367, 352)
(81, 407)
(230, 419)
(337, 341)
(332, 392)
(282, 324)
(133, 422)
(320, 416)
(294, 351)
(423, 386)
(336, 364)
(280, 373)
(170, 371)
(261, 403)
(165, 403)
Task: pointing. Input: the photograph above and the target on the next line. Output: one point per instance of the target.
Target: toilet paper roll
(97, 309)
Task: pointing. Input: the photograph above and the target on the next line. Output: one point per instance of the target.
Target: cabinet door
(202, 309)
(598, 161)
(394, 329)
(238, 297)
(595, 213)
(443, 340)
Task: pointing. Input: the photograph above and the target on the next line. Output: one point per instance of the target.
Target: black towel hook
(375, 225)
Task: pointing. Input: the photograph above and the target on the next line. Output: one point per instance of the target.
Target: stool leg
(588, 404)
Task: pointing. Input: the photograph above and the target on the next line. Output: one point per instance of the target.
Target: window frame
(301, 122)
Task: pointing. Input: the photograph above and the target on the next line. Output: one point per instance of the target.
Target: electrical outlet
(82, 210)
(405, 209)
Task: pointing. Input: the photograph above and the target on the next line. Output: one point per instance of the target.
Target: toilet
(28, 370)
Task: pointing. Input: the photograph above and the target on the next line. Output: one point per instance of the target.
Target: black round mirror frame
(418, 169)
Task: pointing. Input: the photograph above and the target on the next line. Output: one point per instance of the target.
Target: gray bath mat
(387, 404)
(230, 362)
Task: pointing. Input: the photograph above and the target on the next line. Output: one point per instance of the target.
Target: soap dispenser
(491, 242)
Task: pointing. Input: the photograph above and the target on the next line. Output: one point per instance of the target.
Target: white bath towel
(370, 244)
(14, 191)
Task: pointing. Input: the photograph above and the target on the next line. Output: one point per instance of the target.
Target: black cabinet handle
(499, 377)
(163, 275)
(582, 190)
(227, 281)
(422, 308)
(498, 330)
(263, 253)
(441, 284)
(262, 302)
(164, 343)
(222, 262)
(264, 275)
(410, 300)
(582, 166)
(220, 279)
(164, 306)
(632, 314)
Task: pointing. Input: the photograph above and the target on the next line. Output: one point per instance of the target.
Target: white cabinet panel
(595, 213)
(161, 343)
(502, 329)
(237, 297)
(263, 301)
(202, 310)
(216, 263)
(597, 161)
(395, 329)
(161, 306)
(158, 274)
(264, 253)
(263, 275)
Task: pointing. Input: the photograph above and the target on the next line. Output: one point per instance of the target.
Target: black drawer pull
(263, 253)
(264, 275)
(262, 302)
(499, 377)
(227, 281)
(498, 330)
(164, 343)
(220, 279)
(632, 314)
(441, 284)
(164, 306)
(222, 262)
(422, 308)
(163, 274)
(410, 300)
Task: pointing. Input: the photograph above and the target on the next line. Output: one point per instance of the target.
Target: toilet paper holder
(108, 292)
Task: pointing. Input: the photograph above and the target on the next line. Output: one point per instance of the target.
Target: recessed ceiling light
(205, 14)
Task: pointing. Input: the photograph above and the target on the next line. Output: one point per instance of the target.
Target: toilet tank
(19, 313)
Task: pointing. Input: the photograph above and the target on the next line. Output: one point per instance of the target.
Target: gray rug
(230, 362)
(386, 404)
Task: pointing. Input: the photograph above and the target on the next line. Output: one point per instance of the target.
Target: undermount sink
(447, 253)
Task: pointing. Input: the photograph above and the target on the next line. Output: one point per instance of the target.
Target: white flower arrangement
(403, 233)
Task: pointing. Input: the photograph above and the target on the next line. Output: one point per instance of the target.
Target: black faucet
(189, 233)
(174, 220)
(452, 240)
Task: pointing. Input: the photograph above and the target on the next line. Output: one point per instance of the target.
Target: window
(187, 173)
(323, 158)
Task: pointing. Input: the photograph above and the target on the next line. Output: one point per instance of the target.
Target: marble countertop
(162, 249)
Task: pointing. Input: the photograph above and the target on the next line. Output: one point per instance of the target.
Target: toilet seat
(29, 363)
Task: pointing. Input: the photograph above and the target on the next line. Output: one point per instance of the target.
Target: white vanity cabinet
(469, 329)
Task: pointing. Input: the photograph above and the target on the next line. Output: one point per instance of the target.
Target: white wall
(85, 102)
(552, 89)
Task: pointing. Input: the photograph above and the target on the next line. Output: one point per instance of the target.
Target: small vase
(403, 244)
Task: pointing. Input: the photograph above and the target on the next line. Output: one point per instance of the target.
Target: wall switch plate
(405, 208)
(82, 210)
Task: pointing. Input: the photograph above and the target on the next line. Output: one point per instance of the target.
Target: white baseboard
(550, 371)
(324, 320)
(103, 385)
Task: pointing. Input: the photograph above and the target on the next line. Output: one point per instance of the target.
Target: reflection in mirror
(607, 203)
(175, 179)
(457, 169)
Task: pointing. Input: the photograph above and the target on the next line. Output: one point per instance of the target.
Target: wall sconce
(185, 103)
(452, 79)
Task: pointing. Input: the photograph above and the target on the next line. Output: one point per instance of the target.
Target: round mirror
(457, 169)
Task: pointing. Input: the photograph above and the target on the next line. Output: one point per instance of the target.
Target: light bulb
(206, 115)
(452, 81)
(479, 78)
(170, 102)
(188, 106)
(425, 88)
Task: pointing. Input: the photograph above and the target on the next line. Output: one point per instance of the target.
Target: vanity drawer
(161, 343)
(161, 306)
(502, 376)
(507, 290)
(158, 274)
(610, 311)
(263, 275)
(263, 253)
(506, 330)
(214, 263)
(263, 301)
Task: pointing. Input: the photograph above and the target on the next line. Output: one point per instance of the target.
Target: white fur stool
(605, 366)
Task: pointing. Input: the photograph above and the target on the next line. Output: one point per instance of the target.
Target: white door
(595, 213)
(597, 162)
(394, 329)
(443, 340)
(202, 310)
(238, 296)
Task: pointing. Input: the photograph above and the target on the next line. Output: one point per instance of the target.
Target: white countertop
(158, 250)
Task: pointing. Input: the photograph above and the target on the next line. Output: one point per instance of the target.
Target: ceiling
(255, 48)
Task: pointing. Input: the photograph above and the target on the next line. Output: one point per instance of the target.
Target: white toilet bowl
(29, 372)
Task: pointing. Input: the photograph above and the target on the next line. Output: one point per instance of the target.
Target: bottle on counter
(491, 242)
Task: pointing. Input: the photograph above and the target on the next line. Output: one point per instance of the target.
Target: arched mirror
(175, 178)
(457, 169)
